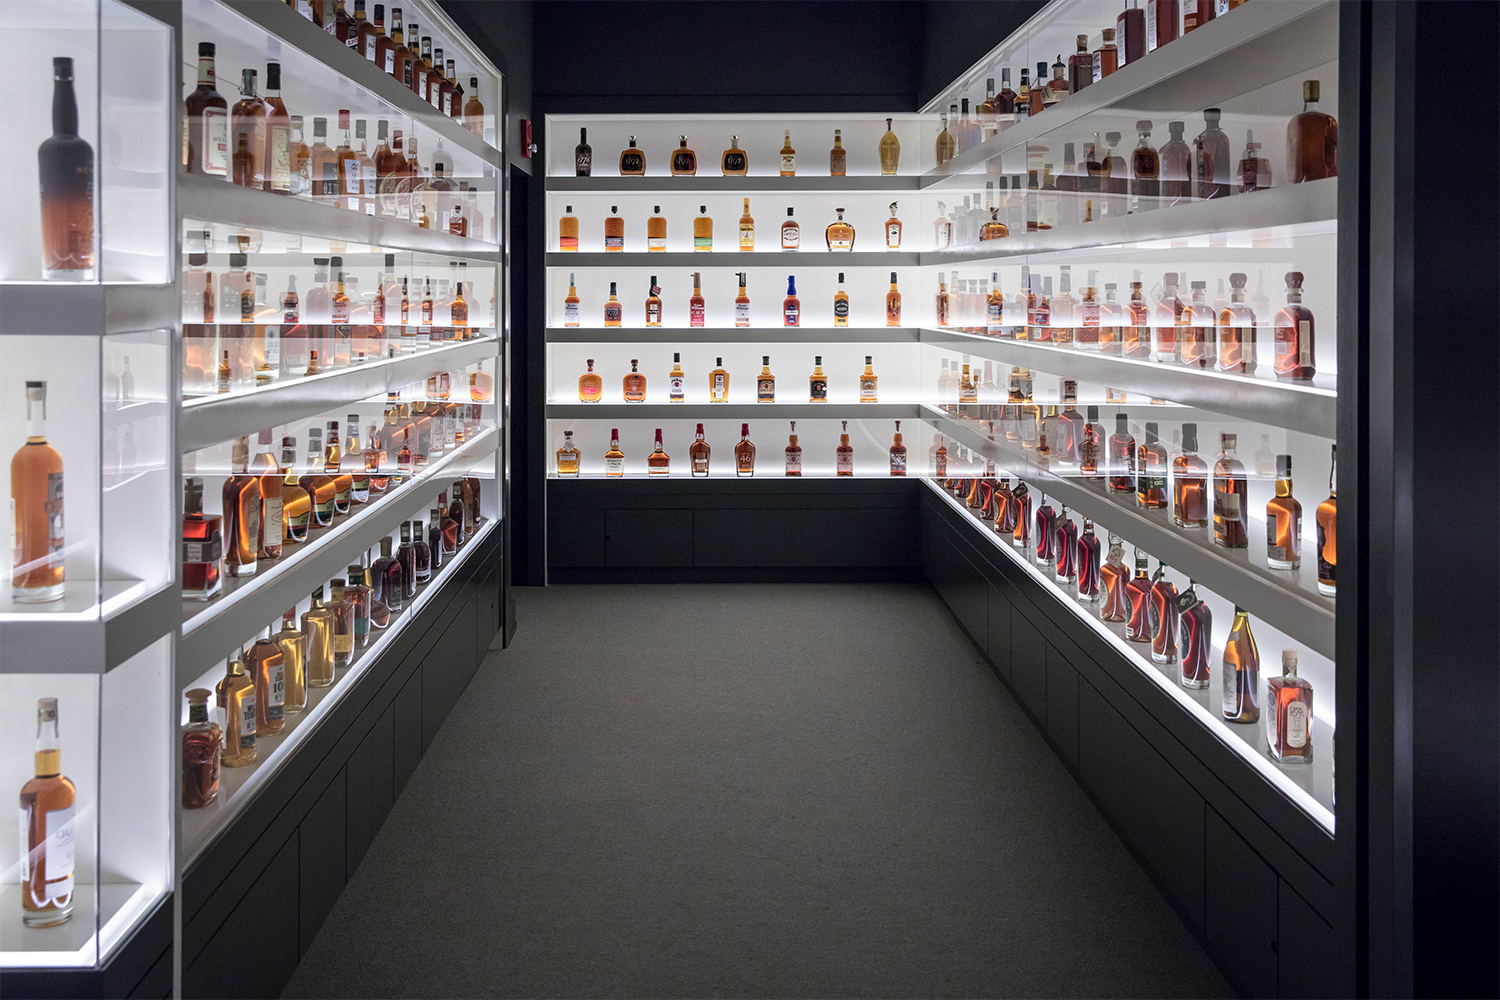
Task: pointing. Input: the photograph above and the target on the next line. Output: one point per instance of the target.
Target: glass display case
(86, 342)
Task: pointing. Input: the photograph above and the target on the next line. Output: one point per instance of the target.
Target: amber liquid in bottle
(36, 496)
(1231, 506)
(1151, 480)
(48, 825)
(1195, 628)
(202, 747)
(1113, 576)
(65, 163)
(1312, 139)
(1163, 618)
(1327, 518)
(1284, 521)
(1189, 483)
(1290, 721)
(1137, 592)
(1241, 674)
(1293, 334)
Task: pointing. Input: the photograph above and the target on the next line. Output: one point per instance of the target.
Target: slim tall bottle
(36, 496)
(1231, 497)
(65, 168)
(206, 128)
(266, 666)
(1241, 674)
(1138, 591)
(1195, 630)
(48, 829)
(1151, 478)
(1113, 576)
(1163, 617)
(293, 645)
(317, 625)
(1090, 571)
(242, 510)
(1327, 516)
(793, 453)
(235, 693)
(343, 624)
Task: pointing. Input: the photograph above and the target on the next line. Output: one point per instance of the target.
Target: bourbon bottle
(1113, 576)
(1090, 572)
(1138, 593)
(1212, 158)
(744, 454)
(1312, 139)
(1293, 334)
(844, 455)
(1151, 476)
(1240, 678)
(65, 164)
(1284, 521)
(1195, 635)
(48, 829)
(1189, 483)
(735, 162)
(793, 453)
(590, 385)
(1231, 507)
(1289, 722)
(684, 160)
(1163, 617)
(1236, 340)
(634, 385)
(632, 161)
(1065, 550)
(1327, 520)
(1046, 534)
(202, 745)
(235, 694)
(36, 497)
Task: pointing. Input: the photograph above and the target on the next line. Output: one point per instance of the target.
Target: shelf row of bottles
(838, 236)
(258, 144)
(735, 162)
(569, 459)
(791, 305)
(1171, 627)
(269, 681)
(633, 385)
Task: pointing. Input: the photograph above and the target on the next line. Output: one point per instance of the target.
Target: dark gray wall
(957, 33)
(503, 29)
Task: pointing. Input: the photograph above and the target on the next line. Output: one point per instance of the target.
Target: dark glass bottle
(1021, 535)
(583, 154)
(1176, 166)
(1293, 334)
(385, 578)
(1046, 528)
(1122, 457)
(1163, 617)
(1214, 144)
(406, 555)
(1130, 33)
(435, 538)
(65, 166)
(1312, 139)
(1065, 549)
(1151, 482)
(1195, 626)
(421, 553)
(1137, 591)
(1089, 569)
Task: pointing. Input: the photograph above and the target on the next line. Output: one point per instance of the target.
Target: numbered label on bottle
(276, 691)
(247, 721)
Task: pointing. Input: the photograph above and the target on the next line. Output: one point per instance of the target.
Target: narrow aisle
(745, 790)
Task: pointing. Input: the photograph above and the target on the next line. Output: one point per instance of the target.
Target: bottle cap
(1294, 279)
(1189, 437)
(1311, 89)
(1093, 413)
(1289, 661)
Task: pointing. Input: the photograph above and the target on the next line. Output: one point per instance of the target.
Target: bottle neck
(48, 756)
(206, 72)
(64, 108)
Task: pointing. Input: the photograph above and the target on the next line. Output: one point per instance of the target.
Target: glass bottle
(1090, 572)
(656, 231)
(734, 162)
(1312, 139)
(567, 233)
(840, 303)
(241, 507)
(890, 150)
(844, 455)
(343, 624)
(869, 383)
(421, 553)
(1231, 506)
(1151, 478)
(793, 453)
(893, 304)
(1106, 58)
(1236, 339)
(1046, 534)
(676, 381)
(1327, 522)
(1293, 336)
(684, 161)
(49, 829)
(1164, 613)
(1091, 446)
(699, 454)
(744, 454)
(718, 383)
(1175, 165)
(1135, 339)
(1145, 170)
(1195, 628)
(1284, 521)
(697, 314)
(568, 456)
(583, 154)
(202, 747)
(837, 156)
(788, 157)
(703, 231)
(791, 233)
(406, 555)
(634, 384)
(1255, 170)
(1113, 576)
(1137, 592)
(1189, 483)
(1212, 158)
(613, 311)
(293, 646)
(235, 694)
(65, 163)
(1240, 678)
(202, 546)
(205, 130)
(839, 236)
(1289, 723)
(1111, 315)
(317, 626)
(386, 577)
(632, 160)
(1065, 550)
(765, 383)
(614, 231)
(1196, 338)
(266, 665)
(943, 148)
(1021, 535)
(817, 382)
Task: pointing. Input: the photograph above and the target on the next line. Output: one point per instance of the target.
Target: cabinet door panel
(1028, 666)
(998, 645)
(1306, 948)
(1239, 908)
(320, 848)
(1062, 705)
(255, 950)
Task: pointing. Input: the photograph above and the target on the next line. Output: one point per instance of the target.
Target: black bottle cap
(1283, 466)
(1151, 434)
(205, 49)
(238, 260)
(789, 211)
(62, 68)
(1093, 413)
(1189, 437)
(273, 76)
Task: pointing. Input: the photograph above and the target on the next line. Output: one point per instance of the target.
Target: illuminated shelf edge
(732, 411)
(732, 334)
(886, 259)
(669, 184)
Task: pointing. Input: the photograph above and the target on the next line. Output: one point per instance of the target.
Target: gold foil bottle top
(1311, 89)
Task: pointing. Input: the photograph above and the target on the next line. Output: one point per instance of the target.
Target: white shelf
(733, 258)
(1273, 214)
(208, 420)
(733, 411)
(1290, 601)
(211, 199)
(60, 308)
(875, 183)
(74, 944)
(247, 604)
(76, 635)
(1309, 408)
(238, 786)
(732, 335)
(1248, 48)
(1309, 786)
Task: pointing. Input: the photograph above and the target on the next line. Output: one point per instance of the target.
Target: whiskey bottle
(406, 555)
(1161, 23)
(659, 462)
(1312, 139)
(1196, 338)
(656, 232)
(65, 165)
(765, 383)
(1231, 497)
(583, 155)
(893, 304)
(1151, 478)
(1145, 168)
(942, 237)
(1284, 521)
(718, 383)
(333, 462)
(568, 457)
(1106, 57)
(1290, 720)
(296, 502)
(791, 233)
(1135, 335)
(1327, 522)
(202, 745)
(817, 391)
(570, 303)
(421, 559)
(747, 229)
(1065, 550)
(703, 231)
(613, 311)
(791, 306)
(869, 383)
(1190, 483)
(1046, 534)
(614, 459)
(1211, 158)
(235, 694)
(1236, 341)
(1163, 617)
(1241, 673)
(614, 231)
(634, 386)
(944, 305)
(317, 626)
(473, 111)
(1138, 593)
(632, 161)
(898, 453)
(890, 151)
(696, 311)
(386, 574)
(1113, 576)
(1255, 170)
(839, 235)
(943, 148)
(206, 125)
(247, 123)
(343, 617)
(1175, 160)
(266, 666)
(1195, 628)
(567, 232)
(241, 507)
(735, 162)
(788, 158)
(844, 455)
(293, 646)
(359, 595)
(837, 156)
(744, 454)
(698, 454)
(653, 304)
(793, 453)
(202, 546)
(1293, 334)
(48, 831)
(684, 161)
(676, 381)
(1090, 572)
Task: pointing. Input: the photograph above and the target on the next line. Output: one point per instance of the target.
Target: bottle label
(632, 162)
(656, 243)
(273, 348)
(1296, 725)
(215, 141)
(765, 390)
(57, 853)
(702, 244)
(747, 236)
(281, 158)
(675, 385)
(893, 235)
(276, 691)
(791, 237)
(206, 550)
(343, 642)
(867, 390)
(615, 243)
(818, 390)
(684, 162)
(718, 386)
(788, 163)
(944, 234)
(570, 314)
(370, 47)
(735, 162)
(614, 466)
(247, 721)
(841, 311)
(1151, 42)
(390, 61)
(583, 162)
(845, 460)
(794, 461)
(992, 316)
(1229, 504)
(1304, 343)
(742, 314)
(791, 312)
(271, 519)
(653, 313)
(612, 314)
(898, 463)
(695, 314)
(892, 311)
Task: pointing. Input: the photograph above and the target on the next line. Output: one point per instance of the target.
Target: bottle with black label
(684, 160)
(583, 154)
(632, 161)
(841, 304)
(817, 390)
(735, 163)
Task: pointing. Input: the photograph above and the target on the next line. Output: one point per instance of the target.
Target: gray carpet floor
(745, 790)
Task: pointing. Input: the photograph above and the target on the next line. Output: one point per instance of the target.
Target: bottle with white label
(206, 139)
(742, 304)
(47, 829)
(788, 156)
(614, 459)
(893, 230)
(1290, 719)
(236, 698)
(570, 304)
(676, 381)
